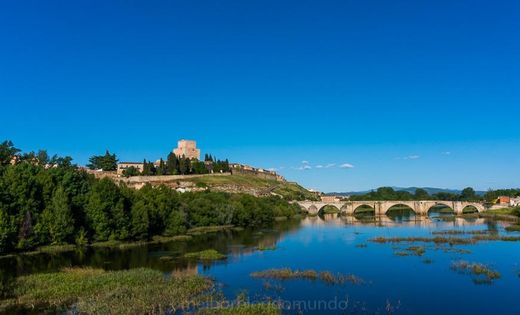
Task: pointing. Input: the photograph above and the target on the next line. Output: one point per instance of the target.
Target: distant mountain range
(430, 190)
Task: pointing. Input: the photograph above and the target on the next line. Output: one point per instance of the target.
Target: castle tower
(187, 148)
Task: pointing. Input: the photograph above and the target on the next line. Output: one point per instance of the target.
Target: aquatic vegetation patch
(166, 258)
(268, 286)
(265, 248)
(208, 229)
(243, 309)
(459, 232)
(481, 273)
(362, 245)
(209, 254)
(401, 253)
(496, 238)
(95, 291)
(513, 228)
(119, 244)
(451, 240)
(325, 276)
(437, 240)
(455, 250)
(56, 249)
(417, 250)
(427, 261)
(159, 239)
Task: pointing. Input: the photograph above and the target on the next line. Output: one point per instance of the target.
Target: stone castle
(187, 148)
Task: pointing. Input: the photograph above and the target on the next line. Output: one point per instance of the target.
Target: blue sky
(405, 93)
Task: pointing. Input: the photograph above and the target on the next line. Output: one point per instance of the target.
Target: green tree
(468, 194)
(184, 165)
(421, 194)
(42, 157)
(148, 168)
(131, 171)
(7, 232)
(140, 221)
(107, 162)
(172, 164)
(61, 225)
(7, 152)
(161, 168)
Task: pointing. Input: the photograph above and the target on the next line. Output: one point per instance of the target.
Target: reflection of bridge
(420, 207)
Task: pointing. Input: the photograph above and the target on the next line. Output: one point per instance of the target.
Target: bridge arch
(364, 209)
(440, 208)
(400, 207)
(312, 209)
(470, 208)
(334, 209)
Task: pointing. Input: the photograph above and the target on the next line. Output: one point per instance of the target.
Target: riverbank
(134, 291)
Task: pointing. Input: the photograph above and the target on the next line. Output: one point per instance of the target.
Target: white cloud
(346, 165)
(319, 166)
(330, 165)
(305, 162)
(409, 157)
(446, 153)
(305, 167)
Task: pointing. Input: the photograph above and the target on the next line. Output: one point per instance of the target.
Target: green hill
(253, 185)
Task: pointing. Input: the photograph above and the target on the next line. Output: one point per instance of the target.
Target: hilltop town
(183, 170)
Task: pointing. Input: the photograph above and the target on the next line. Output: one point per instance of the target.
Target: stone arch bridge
(420, 207)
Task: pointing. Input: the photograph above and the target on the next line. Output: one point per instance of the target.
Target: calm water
(393, 284)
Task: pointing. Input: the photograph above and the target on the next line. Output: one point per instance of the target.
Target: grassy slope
(288, 190)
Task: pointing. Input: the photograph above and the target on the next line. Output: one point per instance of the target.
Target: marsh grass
(119, 244)
(324, 276)
(270, 286)
(455, 250)
(244, 309)
(159, 239)
(513, 228)
(56, 249)
(416, 250)
(208, 229)
(459, 232)
(209, 254)
(446, 240)
(481, 273)
(266, 248)
(437, 240)
(95, 291)
(496, 238)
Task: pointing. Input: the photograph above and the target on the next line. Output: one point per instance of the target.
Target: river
(395, 280)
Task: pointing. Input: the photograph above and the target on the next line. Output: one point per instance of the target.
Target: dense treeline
(173, 165)
(42, 203)
(388, 193)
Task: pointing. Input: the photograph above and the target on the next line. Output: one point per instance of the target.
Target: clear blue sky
(423, 93)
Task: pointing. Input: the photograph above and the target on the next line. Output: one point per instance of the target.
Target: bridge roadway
(420, 207)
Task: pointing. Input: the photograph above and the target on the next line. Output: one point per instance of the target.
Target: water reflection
(326, 242)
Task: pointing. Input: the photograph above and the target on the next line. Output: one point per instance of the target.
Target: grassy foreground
(95, 291)
(245, 309)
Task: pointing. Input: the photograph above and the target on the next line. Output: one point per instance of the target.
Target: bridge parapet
(420, 207)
